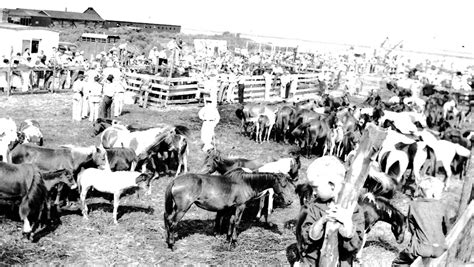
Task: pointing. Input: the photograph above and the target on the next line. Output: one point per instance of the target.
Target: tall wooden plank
(370, 143)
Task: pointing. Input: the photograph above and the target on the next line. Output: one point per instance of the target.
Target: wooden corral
(161, 91)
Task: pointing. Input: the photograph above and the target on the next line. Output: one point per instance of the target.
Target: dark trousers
(107, 107)
(240, 92)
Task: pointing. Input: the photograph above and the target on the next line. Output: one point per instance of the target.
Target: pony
(25, 184)
(285, 120)
(251, 112)
(262, 128)
(110, 182)
(377, 209)
(8, 134)
(121, 159)
(219, 193)
(290, 166)
(171, 142)
(68, 157)
(214, 161)
(33, 134)
(137, 139)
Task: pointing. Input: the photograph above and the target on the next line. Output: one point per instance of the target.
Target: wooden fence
(161, 91)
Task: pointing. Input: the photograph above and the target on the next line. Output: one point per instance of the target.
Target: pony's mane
(259, 178)
(133, 128)
(35, 197)
(215, 156)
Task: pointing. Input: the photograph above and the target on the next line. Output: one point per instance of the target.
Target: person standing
(95, 98)
(77, 88)
(118, 97)
(240, 87)
(210, 117)
(109, 92)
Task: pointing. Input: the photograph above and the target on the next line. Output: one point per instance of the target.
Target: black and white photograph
(236, 133)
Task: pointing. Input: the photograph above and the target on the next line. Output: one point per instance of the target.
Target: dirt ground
(139, 236)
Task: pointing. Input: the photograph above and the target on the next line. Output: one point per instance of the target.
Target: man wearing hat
(109, 92)
(210, 117)
(95, 89)
(78, 89)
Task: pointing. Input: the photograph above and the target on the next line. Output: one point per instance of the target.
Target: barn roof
(20, 12)
(73, 15)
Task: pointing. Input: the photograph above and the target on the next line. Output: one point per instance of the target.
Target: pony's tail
(33, 202)
(169, 200)
(462, 151)
(182, 130)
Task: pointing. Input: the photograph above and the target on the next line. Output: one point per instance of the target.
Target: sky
(420, 24)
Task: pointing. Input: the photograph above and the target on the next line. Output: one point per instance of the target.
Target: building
(16, 38)
(99, 38)
(147, 27)
(90, 17)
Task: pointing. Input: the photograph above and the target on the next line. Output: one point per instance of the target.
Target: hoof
(27, 236)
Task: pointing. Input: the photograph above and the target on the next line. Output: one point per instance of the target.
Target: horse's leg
(364, 239)
(116, 205)
(180, 164)
(172, 219)
(269, 132)
(24, 212)
(270, 204)
(83, 201)
(133, 165)
(239, 210)
(447, 169)
(260, 207)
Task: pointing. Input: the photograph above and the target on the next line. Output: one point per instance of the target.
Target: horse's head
(295, 168)
(99, 156)
(399, 227)
(143, 181)
(67, 177)
(99, 126)
(210, 161)
(305, 193)
(284, 188)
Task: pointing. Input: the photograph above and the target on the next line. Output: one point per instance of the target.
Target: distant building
(16, 38)
(90, 17)
(148, 27)
(99, 38)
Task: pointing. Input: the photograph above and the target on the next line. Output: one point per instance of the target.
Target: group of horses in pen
(421, 133)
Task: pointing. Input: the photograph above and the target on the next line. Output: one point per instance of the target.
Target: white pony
(109, 182)
(8, 134)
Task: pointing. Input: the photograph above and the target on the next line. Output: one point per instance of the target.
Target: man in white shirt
(210, 117)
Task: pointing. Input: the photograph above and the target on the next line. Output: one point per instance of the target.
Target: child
(428, 223)
(326, 176)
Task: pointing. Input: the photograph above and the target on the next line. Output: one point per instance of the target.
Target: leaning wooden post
(370, 143)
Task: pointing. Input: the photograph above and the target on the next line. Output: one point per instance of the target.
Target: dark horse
(24, 184)
(219, 193)
(214, 161)
(71, 158)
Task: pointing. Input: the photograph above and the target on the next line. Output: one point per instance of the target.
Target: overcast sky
(419, 23)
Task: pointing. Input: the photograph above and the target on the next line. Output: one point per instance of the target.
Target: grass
(139, 237)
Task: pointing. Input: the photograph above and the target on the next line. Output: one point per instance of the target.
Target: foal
(110, 182)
